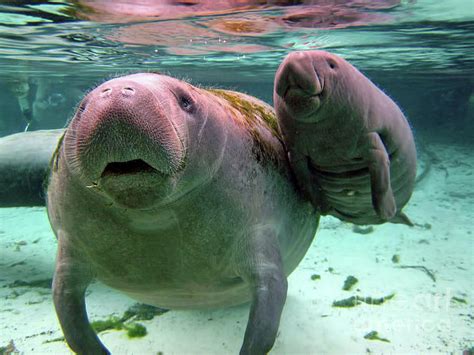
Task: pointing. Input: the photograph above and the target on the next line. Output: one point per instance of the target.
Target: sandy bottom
(424, 316)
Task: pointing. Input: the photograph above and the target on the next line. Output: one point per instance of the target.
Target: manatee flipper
(402, 218)
(379, 169)
(260, 265)
(24, 163)
(71, 278)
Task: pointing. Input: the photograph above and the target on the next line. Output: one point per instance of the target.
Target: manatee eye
(185, 103)
(332, 64)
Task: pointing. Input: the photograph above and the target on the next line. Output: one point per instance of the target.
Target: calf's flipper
(379, 169)
(307, 182)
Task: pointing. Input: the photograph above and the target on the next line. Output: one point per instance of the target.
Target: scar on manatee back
(254, 117)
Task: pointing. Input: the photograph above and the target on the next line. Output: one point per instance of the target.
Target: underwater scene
(216, 177)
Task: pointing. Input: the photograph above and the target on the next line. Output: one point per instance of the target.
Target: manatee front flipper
(71, 278)
(24, 166)
(379, 169)
(259, 264)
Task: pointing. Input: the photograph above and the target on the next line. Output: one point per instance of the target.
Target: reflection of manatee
(350, 145)
(302, 13)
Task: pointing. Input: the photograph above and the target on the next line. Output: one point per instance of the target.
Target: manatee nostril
(106, 92)
(128, 91)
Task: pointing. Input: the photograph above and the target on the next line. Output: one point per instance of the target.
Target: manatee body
(24, 167)
(179, 197)
(350, 146)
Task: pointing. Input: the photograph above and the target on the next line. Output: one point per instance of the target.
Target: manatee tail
(24, 167)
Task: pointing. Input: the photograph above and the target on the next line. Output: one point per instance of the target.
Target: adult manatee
(350, 146)
(24, 167)
(179, 197)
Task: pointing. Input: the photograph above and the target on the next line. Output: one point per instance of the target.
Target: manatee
(349, 144)
(24, 166)
(179, 197)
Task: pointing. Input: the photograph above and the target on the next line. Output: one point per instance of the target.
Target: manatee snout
(297, 73)
(126, 136)
(300, 83)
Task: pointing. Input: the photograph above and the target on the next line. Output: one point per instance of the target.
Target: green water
(60, 49)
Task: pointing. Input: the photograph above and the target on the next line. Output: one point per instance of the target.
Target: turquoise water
(420, 52)
(62, 48)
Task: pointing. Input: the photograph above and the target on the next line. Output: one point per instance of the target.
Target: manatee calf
(350, 146)
(179, 197)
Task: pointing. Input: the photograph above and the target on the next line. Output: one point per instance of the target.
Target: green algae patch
(347, 302)
(136, 330)
(395, 258)
(357, 300)
(458, 300)
(374, 335)
(100, 326)
(259, 121)
(349, 283)
(249, 110)
(128, 320)
(315, 277)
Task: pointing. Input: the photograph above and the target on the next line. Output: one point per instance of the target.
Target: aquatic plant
(350, 281)
(357, 300)
(374, 335)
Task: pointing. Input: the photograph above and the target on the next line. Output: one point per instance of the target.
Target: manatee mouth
(130, 167)
(132, 184)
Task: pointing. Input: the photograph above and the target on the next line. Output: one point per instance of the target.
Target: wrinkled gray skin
(165, 192)
(350, 146)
